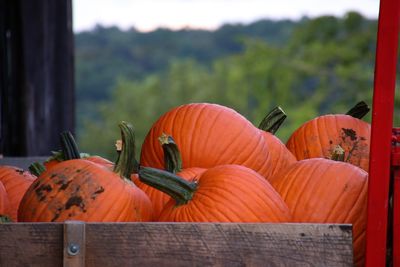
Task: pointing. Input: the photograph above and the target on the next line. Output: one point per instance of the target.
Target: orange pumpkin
(225, 193)
(173, 163)
(4, 202)
(16, 182)
(318, 138)
(280, 156)
(208, 135)
(326, 191)
(82, 190)
(160, 199)
(95, 159)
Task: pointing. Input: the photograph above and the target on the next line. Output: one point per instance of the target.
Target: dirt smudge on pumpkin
(75, 201)
(19, 171)
(349, 133)
(61, 177)
(64, 184)
(41, 191)
(57, 214)
(97, 192)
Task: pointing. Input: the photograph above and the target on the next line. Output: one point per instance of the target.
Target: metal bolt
(73, 249)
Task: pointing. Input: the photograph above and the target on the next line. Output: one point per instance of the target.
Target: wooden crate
(175, 244)
(172, 244)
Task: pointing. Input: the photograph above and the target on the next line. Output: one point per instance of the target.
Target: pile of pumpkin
(206, 163)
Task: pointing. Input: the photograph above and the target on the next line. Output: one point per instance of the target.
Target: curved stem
(126, 163)
(69, 147)
(338, 154)
(273, 120)
(176, 187)
(359, 110)
(172, 155)
(36, 168)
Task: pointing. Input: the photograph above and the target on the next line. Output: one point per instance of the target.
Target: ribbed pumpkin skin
(160, 199)
(208, 135)
(280, 157)
(95, 159)
(4, 202)
(16, 181)
(82, 190)
(230, 193)
(326, 191)
(319, 137)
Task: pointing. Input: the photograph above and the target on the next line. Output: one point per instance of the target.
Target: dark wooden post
(36, 75)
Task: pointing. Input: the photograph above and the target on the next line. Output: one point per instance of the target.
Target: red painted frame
(396, 220)
(381, 132)
(396, 196)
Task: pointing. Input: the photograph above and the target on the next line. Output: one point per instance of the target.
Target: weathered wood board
(181, 244)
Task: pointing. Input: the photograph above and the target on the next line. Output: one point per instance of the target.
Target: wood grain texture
(26, 244)
(182, 244)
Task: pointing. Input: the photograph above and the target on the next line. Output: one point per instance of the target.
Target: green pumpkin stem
(36, 168)
(56, 155)
(273, 120)
(59, 156)
(69, 147)
(338, 154)
(5, 219)
(359, 110)
(172, 155)
(126, 163)
(176, 187)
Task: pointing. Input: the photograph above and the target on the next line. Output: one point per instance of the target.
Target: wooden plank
(183, 244)
(74, 244)
(24, 244)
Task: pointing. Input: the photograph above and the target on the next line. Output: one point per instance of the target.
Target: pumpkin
(208, 135)
(16, 181)
(172, 163)
(225, 193)
(280, 156)
(318, 137)
(4, 202)
(78, 189)
(326, 191)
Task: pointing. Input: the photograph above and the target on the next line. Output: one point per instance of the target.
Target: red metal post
(396, 220)
(396, 197)
(381, 135)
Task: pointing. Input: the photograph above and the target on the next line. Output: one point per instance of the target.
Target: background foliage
(308, 67)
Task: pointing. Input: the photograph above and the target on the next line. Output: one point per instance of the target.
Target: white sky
(147, 15)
